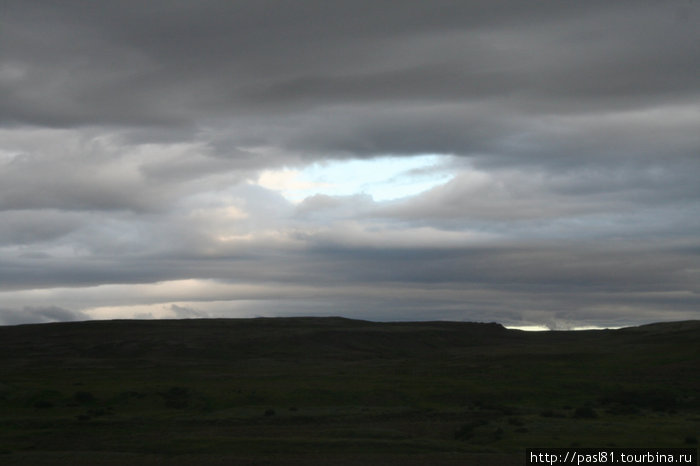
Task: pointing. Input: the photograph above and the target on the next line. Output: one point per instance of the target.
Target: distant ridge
(287, 337)
(668, 326)
(339, 321)
(221, 338)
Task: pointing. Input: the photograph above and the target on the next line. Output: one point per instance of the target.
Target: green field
(305, 391)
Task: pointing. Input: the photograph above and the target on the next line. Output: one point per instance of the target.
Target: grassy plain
(305, 391)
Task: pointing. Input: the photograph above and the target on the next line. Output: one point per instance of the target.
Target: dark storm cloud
(132, 135)
(89, 171)
(655, 194)
(31, 271)
(28, 226)
(506, 82)
(172, 62)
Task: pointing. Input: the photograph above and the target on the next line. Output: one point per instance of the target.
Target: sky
(529, 163)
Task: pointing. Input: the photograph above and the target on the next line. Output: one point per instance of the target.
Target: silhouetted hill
(687, 327)
(225, 338)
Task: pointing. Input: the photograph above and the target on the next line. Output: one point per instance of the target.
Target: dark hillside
(235, 338)
(338, 391)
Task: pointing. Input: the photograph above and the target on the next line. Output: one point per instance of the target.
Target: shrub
(43, 404)
(466, 431)
(96, 412)
(551, 413)
(177, 397)
(84, 397)
(585, 412)
(659, 400)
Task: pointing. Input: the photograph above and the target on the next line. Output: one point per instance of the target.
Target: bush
(177, 397)
(97, 412)
(551, 413)
(659, 400)
(585, 412)
(466, 431)
(44, 399)
(84, 397)
(43, 404)
(622, 410)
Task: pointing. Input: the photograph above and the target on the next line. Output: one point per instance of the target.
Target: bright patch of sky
(383, 178)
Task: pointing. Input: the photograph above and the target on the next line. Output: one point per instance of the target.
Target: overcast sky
(530, 163)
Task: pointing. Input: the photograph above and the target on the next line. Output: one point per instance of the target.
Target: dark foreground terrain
(330, 391)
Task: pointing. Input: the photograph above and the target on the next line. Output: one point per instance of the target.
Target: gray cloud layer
(131, 135)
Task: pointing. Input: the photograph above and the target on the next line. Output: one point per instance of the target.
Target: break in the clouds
(527, 163)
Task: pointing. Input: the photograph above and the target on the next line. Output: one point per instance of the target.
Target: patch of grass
(584, 412)
(267, 389)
